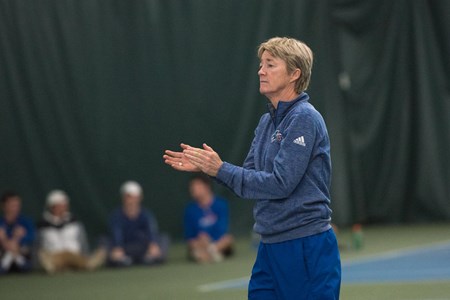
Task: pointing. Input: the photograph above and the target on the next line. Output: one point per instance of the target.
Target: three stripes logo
(300, 141)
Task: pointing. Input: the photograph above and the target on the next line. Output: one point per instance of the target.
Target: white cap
(131, 188)
(57, 197)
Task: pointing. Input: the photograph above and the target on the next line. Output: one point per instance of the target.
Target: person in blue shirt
(16, 235)
(134, 231)
(206, 221)
(288, 172)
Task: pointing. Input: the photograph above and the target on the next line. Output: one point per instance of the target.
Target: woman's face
(274, 79)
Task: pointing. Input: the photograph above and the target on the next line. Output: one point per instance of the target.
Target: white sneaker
(215, 254)
(20, 260)
(7, 260)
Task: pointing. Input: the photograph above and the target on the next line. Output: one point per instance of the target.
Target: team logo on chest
(276, 136)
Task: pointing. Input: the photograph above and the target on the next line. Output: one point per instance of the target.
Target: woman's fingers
(193, 159)
(169, 160)
(176, 164)
(207, 148)
(171, 163)
(172, 158)
(185, 146)
(174, 153)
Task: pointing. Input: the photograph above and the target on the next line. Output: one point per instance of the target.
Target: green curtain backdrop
(93, 91)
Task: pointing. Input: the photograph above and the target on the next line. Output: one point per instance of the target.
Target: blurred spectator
(16, 235)
(134, 231)
(206, 223)
(62, 238)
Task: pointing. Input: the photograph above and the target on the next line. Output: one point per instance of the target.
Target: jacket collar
(50, 218)
(277, 114)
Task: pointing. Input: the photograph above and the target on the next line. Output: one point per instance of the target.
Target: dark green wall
(93, 91)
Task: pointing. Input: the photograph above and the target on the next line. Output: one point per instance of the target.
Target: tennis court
(94, 92)
(413, 264)
(401, 262)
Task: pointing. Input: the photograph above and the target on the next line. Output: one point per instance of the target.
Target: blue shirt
(212, 220)
(23, 221)
(288, 172)
(124, 230)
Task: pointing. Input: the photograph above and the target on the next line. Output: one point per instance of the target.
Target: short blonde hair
(295, 54)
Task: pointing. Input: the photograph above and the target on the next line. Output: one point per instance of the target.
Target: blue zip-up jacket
(288, 172)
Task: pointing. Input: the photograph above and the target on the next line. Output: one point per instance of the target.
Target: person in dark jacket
(134, 231)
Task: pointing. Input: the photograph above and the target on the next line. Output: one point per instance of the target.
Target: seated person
(134, 231)
(206, 223)
(62, 238)
(16, 235)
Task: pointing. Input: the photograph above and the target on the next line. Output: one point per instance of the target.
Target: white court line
(220, 285)
(224, 284)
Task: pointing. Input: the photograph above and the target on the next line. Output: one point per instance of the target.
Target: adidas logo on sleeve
(300, 141)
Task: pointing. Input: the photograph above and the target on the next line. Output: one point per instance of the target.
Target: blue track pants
(307, 268)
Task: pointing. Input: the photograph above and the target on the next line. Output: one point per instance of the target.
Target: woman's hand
(178, 160)
(206, 159)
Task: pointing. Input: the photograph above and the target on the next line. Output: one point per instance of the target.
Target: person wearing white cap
(134, 231)
(62, 238)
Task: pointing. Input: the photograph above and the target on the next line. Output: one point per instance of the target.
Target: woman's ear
(296, 74)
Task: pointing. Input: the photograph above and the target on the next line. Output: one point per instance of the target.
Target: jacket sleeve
(289, 165)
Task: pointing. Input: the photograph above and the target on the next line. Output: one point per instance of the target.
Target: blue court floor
(428, 263)
(420, 264)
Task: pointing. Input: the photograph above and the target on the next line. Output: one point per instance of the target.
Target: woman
(288, 172)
